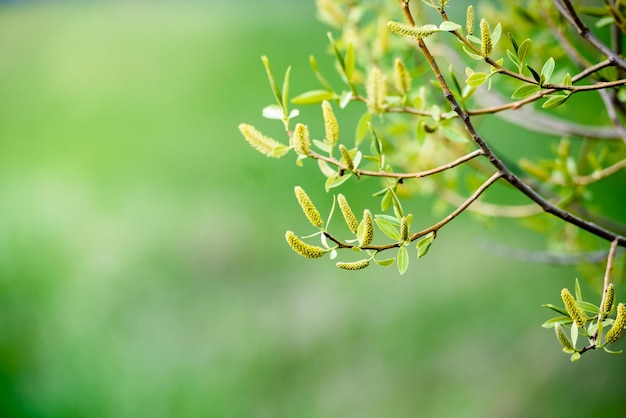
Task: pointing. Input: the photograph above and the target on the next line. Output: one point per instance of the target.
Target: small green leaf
(453, 135)
(513, 42)
(326, 169)
(477, 79)
(345, 99)
(392, 220)
(567, 80)
(285, 99)
(336, 181)
(472, 54)
(575, 357)
(574, 335)
(272, 80)
(555, 308)
(313, 96)
(273, 112)
(525, 91)
(513, 58)
(350, 63)
(388, 229)
(522, 52)
(554, 101)
(589, 307)
(323, 146)
(362, 127)
(496, 34)
(423, 245)
(562, 320)
(612, 352)
(449, 26)
(577, 291)
(534, 73)
(403, 259)
(386, 201)
(386, 262)
(547, 70)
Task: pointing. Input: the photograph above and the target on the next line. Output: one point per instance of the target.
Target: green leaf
(522, 52)
(285, 99)
(547, 70)
(496, 34)
(477, 79)
(273, 112)
(575, 357)
(388, 229)
(588, 307)
(272, 80)
(350, 63)
(403, 259)
(392, 220)
(362, 127)
(534, 73)
(577, 292)
(326, 169)
(345, 99)
(472, 54)
(554, 101)
(555, 308)
(336, 181)
(423, 245)
(513, 42)
(525, 91)
(386, 262)
(453, 135)
(513, 58)
(563, 320)
(449, 26)
(386, 201)
(567, 80)
(574, 335)
(313, 96)
(612, 352)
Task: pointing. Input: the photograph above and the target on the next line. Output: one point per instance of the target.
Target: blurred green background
(143, 269)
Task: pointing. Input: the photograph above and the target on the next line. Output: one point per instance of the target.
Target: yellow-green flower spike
(573, 309)
(401, 77)
(302, 248)
(345, 154)
(485, 38)
(376, 88)
(404, 229)
(301, 139)
(609, 299)
(417, 32)
(355, 265)
(365, 232)
(347, 213)
(617, 330)
(264, 144)
(309, 209)
(469, 20)
(331, 127)
(563, 339)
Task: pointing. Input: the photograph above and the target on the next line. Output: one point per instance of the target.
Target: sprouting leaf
(323, 146)
(388, 229)
(555, 100)
(350, 62)
(534, 73)
(562, 320)
(336, 181)
(567, 80)
(273, 112)
(423, 245)
(555, 308)
(477, 79)
(588, 307)
(386, 262)
(362, 127)
(513, 42)
(612, 352)
(472, 54)
(386, 201)
(495, 35)
(403, 260)
(285, 98)
(326, 170)
(525, 91)
(575, 357)
(577, 291)
(449, 26)
(574, 335)
(547, 70)
(392, 220)
(453, 135)
(272, 80)
(522, 52)
(345, 99)
(513, 58)
(313, 96)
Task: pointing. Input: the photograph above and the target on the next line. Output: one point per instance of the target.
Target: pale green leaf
(403, 260)
(525, 91)
(562, 320)
(547, 69)
(273, 112)
(386, 262)
(449, 26)
(453, 135)
(423, 245)
(313, 96)
(477, 79)
(336, 181)
(388, 229)
(554, 101)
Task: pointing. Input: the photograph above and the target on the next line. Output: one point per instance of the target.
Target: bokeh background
(143, 269)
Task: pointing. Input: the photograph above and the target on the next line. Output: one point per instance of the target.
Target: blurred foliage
(142, 267)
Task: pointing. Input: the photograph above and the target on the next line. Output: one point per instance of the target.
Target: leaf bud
(331, 127)
(302, 248)
(345, 154)
(355, 265)
(485, 37)
(301, 139)
(365, 232)
(376, 88)
(309, 209)
(573, 309)
(264, 144)
(347, 213)
(401, 77)
(469, 20)
(617, 330)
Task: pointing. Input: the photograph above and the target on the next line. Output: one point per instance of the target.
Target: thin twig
(607, 277)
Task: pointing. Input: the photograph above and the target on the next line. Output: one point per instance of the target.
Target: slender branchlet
(345, 154)
(376, 90)
(365, 230)
(354, 265)
(486, 46)
(469, 20)
(264, 144)
(347, 213)
(416, 32)
(309, 209)
(331, 127)
(617, 330)
(401, 77)
(302, 248)
(301, 139)
(573, 309)
(562, 337)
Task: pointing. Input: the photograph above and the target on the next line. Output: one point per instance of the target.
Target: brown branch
(607, 277)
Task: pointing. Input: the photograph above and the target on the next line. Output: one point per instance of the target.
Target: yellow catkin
(345, 154)
(347, 213)
(404, 229)
(417, 32)
(562, 337)
(355, 265)
(301, 139)
(573, 309)
(376, 88)
(331, 127)
(366, 229)
(309, 209)
(609, 299)
(617, 330)
(264, 144)
(401, 77)
(469, 20)
(302, 248)
(485, 38)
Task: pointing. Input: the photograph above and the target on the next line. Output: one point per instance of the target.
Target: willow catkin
(264, 144)
(301, 139)
(345, 154)
(366, 229)
(354, 265)
(376, 88)
(417, 32)
(609, 299)
(573, 309)
(309, 209)
(617, 330)
(485, 38)
(331, 127)
(469, 20)
(401, 77)
(302, 248)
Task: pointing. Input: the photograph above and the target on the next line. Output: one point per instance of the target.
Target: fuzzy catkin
(617, 330)
(376, 88)
(573, 309)
(345, 154)
(366, 229)
(347, 213)
(331, 127)
(264, 144)
(609, 299)
(355, 265)
(485, 37)
(401, 77)
(301, 139)
(404, 229)
(469, 20)
(302, 248)
(309, 209)
(417, 32)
